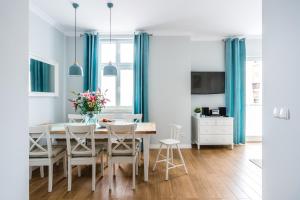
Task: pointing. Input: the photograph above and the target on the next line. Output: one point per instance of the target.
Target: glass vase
(91, 118)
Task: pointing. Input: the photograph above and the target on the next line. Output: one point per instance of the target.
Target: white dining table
(143, 130)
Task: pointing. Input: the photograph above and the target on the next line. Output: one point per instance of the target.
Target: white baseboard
(182, 146)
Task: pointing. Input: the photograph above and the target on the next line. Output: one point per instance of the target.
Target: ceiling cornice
(36, 10)
(44, 16)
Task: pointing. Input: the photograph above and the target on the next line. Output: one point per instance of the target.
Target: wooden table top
(142, 128)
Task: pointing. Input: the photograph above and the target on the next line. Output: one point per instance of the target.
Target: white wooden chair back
(79, 136)
(109, 116)
(136, 118)
(116, 140)
(73, 118)
(36, 148)
(176, 131)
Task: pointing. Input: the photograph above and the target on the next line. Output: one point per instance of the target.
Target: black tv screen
(208, 82)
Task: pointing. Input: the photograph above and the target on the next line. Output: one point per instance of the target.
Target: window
(119, 88)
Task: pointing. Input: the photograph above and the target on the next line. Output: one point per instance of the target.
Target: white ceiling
(200, 19)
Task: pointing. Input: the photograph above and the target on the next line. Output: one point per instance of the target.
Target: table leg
(146, 156)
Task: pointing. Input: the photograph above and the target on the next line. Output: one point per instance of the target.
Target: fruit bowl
(103, 122)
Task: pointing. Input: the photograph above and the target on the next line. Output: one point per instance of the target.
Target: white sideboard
(212, 131)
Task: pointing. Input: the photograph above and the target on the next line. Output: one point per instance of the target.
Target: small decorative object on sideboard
(89, 104)
(198, 111)
(215, 112)
(205, 111)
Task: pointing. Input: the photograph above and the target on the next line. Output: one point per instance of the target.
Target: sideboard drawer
(215, 130)
(215, 139)
(224, 122)
(220, 121)
(207, 122)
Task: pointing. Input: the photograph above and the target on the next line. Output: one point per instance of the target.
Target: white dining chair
(135, 118)
(120, 151)
(173, 141)
(109, 116)
(130, 118)
(80, 153)
(44, 155)
(75, 118)
(72, 118)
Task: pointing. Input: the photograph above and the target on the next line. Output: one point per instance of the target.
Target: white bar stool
(170, 143)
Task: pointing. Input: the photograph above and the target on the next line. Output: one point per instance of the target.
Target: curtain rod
(234, 36)
(116, 36)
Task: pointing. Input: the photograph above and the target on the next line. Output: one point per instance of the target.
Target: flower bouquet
(89, 104)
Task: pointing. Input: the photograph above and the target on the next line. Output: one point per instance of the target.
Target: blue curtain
(91, 51)
(39, 76)
(235, 91)
(140, 67)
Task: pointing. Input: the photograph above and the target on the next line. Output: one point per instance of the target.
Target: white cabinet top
(213, 118)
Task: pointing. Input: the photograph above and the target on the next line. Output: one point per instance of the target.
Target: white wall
(47, 42)
(14, 99)
(210, 56)
(254, 48)
(169, 85)
(281, 163)
(207, 56)
(73, 83)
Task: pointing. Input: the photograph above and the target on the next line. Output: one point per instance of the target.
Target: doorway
(254, 99)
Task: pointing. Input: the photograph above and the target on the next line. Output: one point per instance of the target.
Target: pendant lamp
(110, 69)
(75, 69)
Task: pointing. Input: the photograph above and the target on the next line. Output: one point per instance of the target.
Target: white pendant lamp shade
(110, 69)
(75, 69)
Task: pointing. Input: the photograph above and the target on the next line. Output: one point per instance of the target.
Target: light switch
(284, 113)
(276, 112)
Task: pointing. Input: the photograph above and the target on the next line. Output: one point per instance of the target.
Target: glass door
(254, 99)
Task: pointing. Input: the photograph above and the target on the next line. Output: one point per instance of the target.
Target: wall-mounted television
(208, 82)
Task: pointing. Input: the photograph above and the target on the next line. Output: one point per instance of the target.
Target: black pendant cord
(75, 36)
(110, 25)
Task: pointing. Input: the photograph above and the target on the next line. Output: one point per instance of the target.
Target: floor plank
(214, 173)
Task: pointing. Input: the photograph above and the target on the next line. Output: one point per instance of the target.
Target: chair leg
(65, 165)
(30, 173)
(110, 174)
(79, 170)
(106, 160)
(114, 169)
(181, 158)
(102, 164)
(140, 156)
(94, 176)
(69, 174)
(133, 173)
(137, 165)
(50, 176)
(172, 160)
(157, 157)
(42, 171)
(167, 163)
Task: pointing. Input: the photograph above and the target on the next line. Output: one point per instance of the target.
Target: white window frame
(120, 66)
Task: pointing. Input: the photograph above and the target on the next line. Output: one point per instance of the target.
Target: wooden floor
(214, 173)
